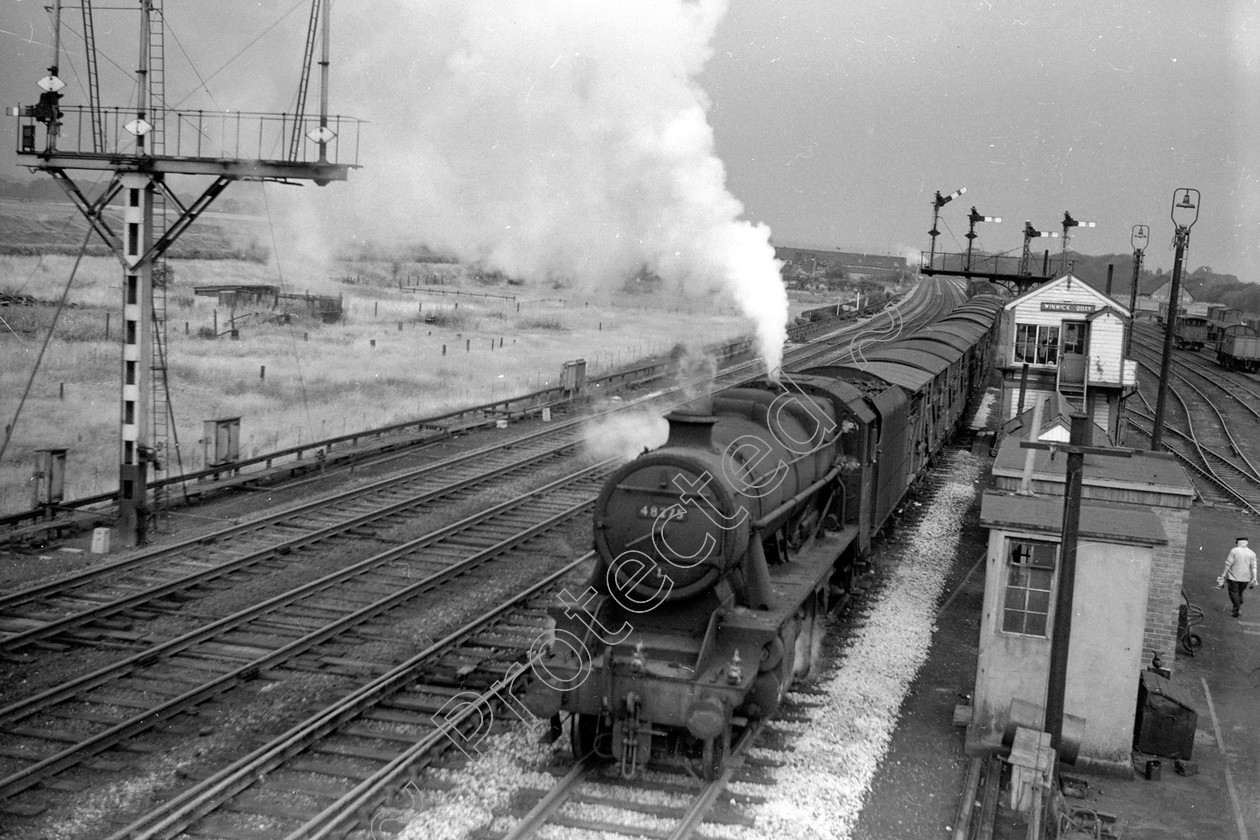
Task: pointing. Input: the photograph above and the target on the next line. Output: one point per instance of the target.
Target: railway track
(1206, 379)
(332, 622)
(351, 769)
(54, 608)
(671, 804)
(374, 445)
(370, 446)
(366, 742)
(1206, 441)
(164, 579)
(333, 625)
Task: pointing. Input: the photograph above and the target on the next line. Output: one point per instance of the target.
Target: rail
(318, 454)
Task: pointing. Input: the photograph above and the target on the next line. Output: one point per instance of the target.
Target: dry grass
(320, 380)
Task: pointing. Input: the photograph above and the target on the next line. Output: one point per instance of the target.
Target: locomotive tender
(721, 552)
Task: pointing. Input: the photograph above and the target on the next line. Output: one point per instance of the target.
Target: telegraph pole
(1061, 634)
(1182, 222)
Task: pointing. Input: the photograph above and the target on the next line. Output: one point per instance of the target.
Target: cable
(191, 66)
(12, 427)
(239, 53)
(10, 329)
(275, 249)
(126, 72)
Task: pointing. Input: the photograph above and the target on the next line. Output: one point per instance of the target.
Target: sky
(544, 136)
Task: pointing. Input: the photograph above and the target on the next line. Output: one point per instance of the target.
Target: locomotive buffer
(207, 144)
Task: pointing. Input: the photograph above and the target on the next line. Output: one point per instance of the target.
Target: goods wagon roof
(966, 332)
(919, 344)
(960, 326)
(894, 373)
(973, 305)
(980, 319)
(826, 380)
(955, 339)
(910, 353)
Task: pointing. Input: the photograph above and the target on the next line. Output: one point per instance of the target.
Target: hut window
(1029, 582)
(1037, 344)
(1074, 337)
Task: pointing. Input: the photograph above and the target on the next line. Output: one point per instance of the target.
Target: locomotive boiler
(721, 552)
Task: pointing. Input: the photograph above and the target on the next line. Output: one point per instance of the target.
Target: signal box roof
(1100, 521)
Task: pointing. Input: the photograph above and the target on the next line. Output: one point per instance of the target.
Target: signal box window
(1074, 333)
(1029, 582)
(1037, 344)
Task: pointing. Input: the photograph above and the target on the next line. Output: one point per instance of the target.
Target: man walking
(1240, 572)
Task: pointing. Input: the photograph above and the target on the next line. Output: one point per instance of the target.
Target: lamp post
(1139, 238)
(1184, 214)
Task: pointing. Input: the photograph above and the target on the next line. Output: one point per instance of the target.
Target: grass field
(320, 379)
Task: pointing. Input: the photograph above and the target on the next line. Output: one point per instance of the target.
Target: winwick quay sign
(1067, 307)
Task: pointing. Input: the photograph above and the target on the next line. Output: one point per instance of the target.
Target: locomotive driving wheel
(715, 753)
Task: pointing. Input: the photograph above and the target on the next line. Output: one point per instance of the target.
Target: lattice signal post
(1015, 274)
(141, 147)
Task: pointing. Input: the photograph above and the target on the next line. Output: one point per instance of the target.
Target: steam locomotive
(721, 552)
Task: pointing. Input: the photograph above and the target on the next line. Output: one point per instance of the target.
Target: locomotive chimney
(691, 427)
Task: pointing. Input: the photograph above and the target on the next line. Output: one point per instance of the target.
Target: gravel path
(821, 790)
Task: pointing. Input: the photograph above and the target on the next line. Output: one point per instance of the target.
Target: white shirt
(1241, 564)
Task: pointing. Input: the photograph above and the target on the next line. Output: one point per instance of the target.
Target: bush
(550, 322)
(450, 319)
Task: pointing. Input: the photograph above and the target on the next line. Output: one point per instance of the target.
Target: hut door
(1072, 351)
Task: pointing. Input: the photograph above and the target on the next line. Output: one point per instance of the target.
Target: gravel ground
(821, 790)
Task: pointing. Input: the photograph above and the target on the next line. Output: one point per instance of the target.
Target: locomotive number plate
(653, 511)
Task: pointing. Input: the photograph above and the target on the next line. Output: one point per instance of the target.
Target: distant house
(1157, 301)
(1161, 293)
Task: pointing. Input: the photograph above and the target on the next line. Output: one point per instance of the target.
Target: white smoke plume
(552, 140)
(624, 435)
(912, 255)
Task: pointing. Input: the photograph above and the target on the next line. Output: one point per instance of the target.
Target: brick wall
(1167, 571)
